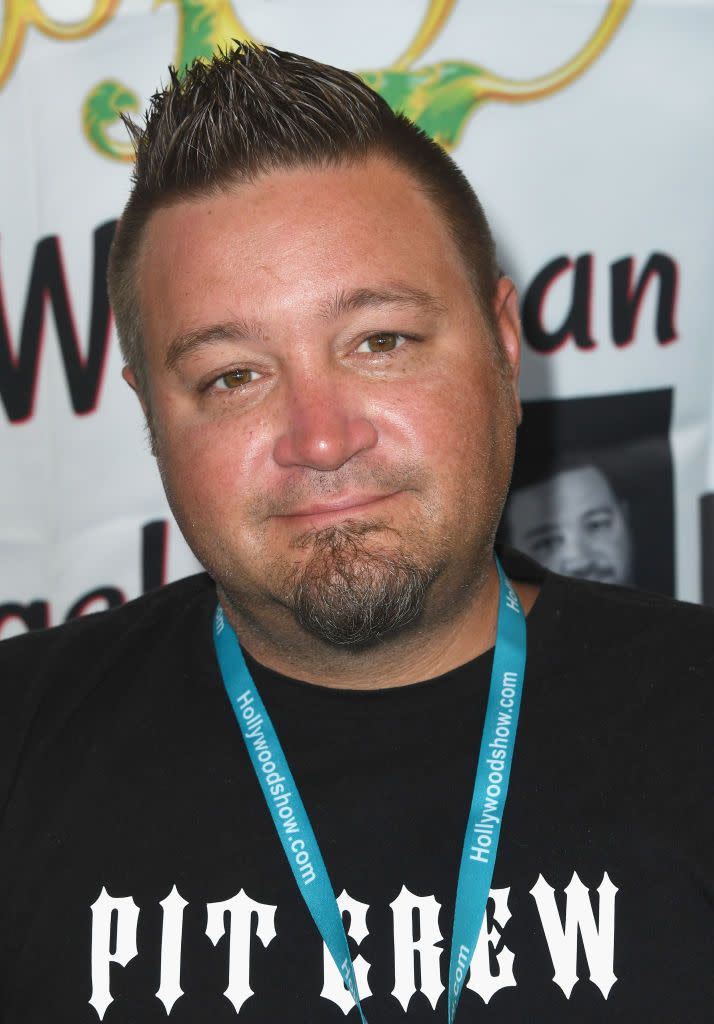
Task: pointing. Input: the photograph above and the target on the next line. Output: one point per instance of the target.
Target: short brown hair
(255, 109)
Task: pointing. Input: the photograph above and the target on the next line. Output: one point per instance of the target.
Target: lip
(336, 506)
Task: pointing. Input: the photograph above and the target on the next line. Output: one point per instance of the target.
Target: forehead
(299, 232)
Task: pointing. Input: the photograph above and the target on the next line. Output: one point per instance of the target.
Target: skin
(278, 411)
(573, 524)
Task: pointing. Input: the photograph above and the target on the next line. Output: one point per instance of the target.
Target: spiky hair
(252, 110)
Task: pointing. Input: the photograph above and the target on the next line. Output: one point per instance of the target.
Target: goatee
(352, 594)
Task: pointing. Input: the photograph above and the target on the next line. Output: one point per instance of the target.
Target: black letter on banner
(626, 303)
(35, 615)
(19, 372)
(577, 323)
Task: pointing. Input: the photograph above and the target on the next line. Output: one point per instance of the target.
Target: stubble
(352, 592)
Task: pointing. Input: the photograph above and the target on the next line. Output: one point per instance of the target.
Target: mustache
(604, 572)
(319, 485)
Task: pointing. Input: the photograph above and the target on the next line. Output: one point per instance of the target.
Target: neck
(434, 646)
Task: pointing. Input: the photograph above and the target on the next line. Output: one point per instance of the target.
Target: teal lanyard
(484, 825)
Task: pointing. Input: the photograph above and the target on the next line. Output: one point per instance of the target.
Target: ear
(508, 324)
(130, 377)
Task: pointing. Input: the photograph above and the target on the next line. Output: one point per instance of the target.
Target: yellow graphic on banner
(19, 15)
(441, 98)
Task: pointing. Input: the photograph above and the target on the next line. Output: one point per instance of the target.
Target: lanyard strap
(484, 824)
(491, 786)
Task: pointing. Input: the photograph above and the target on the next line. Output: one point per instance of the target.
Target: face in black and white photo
(573, 523)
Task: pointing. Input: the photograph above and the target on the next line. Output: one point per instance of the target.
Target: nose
(324, 428)
(575, 554)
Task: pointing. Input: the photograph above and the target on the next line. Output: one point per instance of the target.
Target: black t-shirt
(138, 860)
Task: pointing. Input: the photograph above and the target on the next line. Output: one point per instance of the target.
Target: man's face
(572, 523)
(331, 426)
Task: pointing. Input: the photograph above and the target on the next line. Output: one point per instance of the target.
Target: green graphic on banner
(440, 97)
(102, 110)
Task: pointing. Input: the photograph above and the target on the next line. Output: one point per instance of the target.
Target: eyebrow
(343, 302)
(541, 531)
(554, 527)
(230, 330)
(397, 294)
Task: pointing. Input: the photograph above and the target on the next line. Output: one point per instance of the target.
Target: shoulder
(39, 669)
(631, 614)
(573, 616)
(623, 636)
(81, 639)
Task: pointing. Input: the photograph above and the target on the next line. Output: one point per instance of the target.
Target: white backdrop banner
(585, 127)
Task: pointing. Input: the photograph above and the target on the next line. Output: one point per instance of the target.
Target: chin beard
(351, 596)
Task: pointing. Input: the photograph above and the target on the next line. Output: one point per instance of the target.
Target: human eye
(381, 341)
(233, 380)
(546, 545)
(597, 522)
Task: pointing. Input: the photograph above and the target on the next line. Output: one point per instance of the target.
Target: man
(573, 523)
(313, 320)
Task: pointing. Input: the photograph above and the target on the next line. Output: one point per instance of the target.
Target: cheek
(213, 464)
(620, 538)
(466, 426)
(458, 430)
(438, 411)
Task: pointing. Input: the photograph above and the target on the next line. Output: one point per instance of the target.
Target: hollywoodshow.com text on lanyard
(489, 795)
